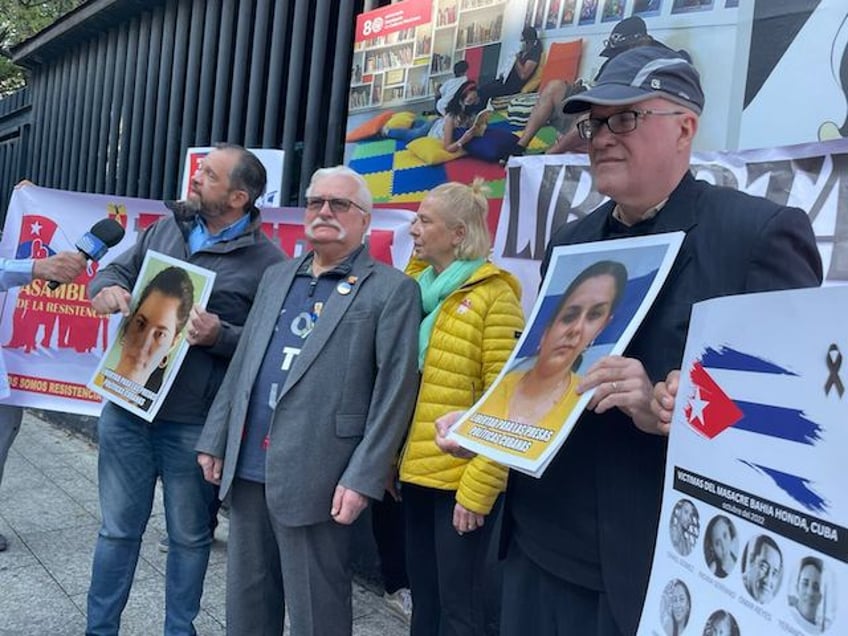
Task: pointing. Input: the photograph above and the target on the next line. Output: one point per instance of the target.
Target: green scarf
(434, 289)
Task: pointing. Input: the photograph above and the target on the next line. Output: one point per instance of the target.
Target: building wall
(116, 97)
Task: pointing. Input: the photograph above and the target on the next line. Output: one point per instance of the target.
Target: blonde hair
(467, 206)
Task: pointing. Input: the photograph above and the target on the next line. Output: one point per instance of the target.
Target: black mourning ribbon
(833, 360)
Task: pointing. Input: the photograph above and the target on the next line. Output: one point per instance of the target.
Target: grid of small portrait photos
(744, 567)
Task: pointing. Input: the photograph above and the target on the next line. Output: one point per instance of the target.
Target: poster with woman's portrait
(145, 354)
(591, 302)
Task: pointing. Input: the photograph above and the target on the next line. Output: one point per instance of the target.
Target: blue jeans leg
(132, 454)
(127, 475)
(187, 499)
(419, 128)
(10, 424)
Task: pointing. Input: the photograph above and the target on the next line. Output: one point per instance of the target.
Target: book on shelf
(359, 98)
(479, 4)
(393, 94)
(423, 45)
(482, 32)
(446, 16)
(397, 37)
(387, 59)
(441, 63)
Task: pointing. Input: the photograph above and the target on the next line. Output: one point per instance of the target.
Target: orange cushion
(563, 62)
(370, 128)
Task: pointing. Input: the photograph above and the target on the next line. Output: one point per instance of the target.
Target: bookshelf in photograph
(408, 66)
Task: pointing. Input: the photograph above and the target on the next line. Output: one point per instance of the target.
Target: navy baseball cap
(642, 73)
(624, 34)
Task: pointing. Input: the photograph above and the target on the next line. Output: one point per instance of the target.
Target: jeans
(132, 454)
(10, 424)
(420, 128)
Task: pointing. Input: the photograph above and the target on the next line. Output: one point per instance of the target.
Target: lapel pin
(343, 288)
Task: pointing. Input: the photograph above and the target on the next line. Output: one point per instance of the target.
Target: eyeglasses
(618, 123)
(337, 205)
(614, 40)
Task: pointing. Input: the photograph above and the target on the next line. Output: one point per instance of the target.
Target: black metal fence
(120, 88)
(15, 125)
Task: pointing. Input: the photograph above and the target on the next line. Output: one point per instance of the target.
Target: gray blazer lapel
(336, 306)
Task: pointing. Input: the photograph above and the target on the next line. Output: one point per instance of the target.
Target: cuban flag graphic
(711, 412)
(36, 235)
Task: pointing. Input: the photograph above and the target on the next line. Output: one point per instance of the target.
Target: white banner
(753, 534)
(271, 159)
(545, 191)
(51, 340)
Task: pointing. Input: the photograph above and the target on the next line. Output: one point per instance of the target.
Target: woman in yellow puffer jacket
(472, 319)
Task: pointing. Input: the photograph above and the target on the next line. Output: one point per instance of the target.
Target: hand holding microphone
(59, 268)
(93, 245)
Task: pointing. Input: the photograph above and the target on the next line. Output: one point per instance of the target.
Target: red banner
(395, 17)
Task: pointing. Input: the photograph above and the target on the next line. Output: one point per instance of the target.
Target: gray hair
(363, 194)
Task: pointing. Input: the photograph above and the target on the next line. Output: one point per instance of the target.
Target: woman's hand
(622, 382)
(450, 446)
(467, 136)
(466, 521)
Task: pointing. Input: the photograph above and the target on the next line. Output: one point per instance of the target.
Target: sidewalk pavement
(50, 514)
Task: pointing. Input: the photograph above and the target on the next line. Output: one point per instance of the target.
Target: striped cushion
(518, 111)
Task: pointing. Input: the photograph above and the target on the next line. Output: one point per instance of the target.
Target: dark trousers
(536, 602)
(449, 574)
(214, 507)
(311, 564)
(388, 529)
(496, 88)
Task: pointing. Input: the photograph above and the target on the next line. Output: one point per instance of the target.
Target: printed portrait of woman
(675, 607)
(545, 394)
(721, 546)
(152, 330)
(721, 623)
(811, 599)
(684, 527)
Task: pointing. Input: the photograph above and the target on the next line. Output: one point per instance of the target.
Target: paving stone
(49, 511)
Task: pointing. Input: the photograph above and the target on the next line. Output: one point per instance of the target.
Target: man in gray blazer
(310, 416)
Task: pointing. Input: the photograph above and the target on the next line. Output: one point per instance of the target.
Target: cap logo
(656, 84)
(655, 66)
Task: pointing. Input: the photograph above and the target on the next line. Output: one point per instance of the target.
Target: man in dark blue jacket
(580, 539)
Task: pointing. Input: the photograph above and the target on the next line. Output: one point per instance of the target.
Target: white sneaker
(400, 602)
